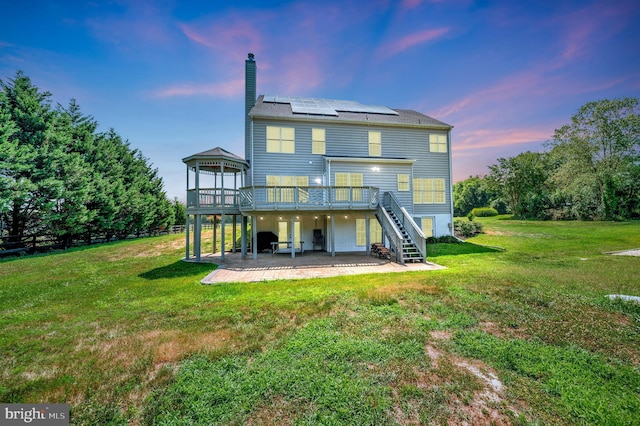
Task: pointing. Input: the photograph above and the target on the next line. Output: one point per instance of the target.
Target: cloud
(231, 38)
(229, 89)
(140, 25)
(483, 138)
(589, 26)
(309, 32)
(410, 4)
(394, 47)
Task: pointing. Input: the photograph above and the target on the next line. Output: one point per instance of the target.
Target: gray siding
(386, 178)
(350, 140)
(302, 163)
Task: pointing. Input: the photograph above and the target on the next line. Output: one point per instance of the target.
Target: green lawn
(517, 330)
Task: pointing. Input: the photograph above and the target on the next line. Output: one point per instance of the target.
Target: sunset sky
(169, 75)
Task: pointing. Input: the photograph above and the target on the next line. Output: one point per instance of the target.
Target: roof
(215, 157)
(330, 110)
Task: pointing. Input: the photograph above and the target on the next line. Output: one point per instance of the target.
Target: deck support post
(197, 236)
(293, 238)
(223, 216)
(254, 231)
(235, 238)
(187, 239)
(243, 236)
(333, 235)
(367, 227)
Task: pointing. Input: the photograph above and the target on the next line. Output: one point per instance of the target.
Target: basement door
(284, 234)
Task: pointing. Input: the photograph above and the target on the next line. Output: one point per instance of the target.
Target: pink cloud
(587, 27)
(141, 24)
(300, 71)
(229, 89)
(400, 45)
(512, 87)
(232, 38)
(410, 4)
(483, 138)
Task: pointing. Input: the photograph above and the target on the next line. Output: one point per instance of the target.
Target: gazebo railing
(213, 197)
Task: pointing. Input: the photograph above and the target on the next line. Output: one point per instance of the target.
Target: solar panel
(311, 106)
(317, 106)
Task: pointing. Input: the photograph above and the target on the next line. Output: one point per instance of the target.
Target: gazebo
(224, 173)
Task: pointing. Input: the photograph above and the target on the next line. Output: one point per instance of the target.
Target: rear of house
(338, 176)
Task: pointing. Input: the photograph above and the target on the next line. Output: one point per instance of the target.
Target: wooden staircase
(409, 251)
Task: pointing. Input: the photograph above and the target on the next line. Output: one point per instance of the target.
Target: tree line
(589, 170)
(61, 178)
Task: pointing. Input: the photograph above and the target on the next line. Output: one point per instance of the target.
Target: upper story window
(375, 144)
(318, 142)
(353, 180)
(403, 182)
(281, 139)
(428, 191)
(437, 143)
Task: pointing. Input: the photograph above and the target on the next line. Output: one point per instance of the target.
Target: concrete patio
(310, 265)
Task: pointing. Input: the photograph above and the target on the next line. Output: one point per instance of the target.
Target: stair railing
(414, 231)
(392, 232)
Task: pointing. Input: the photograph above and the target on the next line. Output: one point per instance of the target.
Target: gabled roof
(330, 110)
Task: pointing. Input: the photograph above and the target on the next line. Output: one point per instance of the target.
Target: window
(437, 143)
(428, 191)
(318, 143)
(353, 180)
(427, 226)
(281, 139)
(403, 182)
(375, 144)
(361, 232)
(375, 231)
(286, 189)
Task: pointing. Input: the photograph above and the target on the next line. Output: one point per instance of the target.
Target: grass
(523, 334)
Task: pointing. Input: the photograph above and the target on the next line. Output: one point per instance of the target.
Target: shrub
(445, 239)
(484, 212)
(466, 228)
(500, 205)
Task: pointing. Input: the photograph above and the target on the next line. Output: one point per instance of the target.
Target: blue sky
(168, 75)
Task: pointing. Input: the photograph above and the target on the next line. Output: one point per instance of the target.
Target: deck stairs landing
(409, 250)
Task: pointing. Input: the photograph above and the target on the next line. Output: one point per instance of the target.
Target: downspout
(251, 165)
(450, 185)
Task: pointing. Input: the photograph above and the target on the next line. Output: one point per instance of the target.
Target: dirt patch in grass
(165, 346)
(499, 331)
(400, 288)
(141, 250)
(161, 248)
(484, 404)
(279, 411)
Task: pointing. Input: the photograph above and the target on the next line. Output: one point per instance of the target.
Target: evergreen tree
(25, 167)
(62, 179)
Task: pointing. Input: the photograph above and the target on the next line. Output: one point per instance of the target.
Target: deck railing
(392, 232)
(309, 198)
(416, 234)
(213, 198)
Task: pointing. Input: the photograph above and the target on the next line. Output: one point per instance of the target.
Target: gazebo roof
(212, 160)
